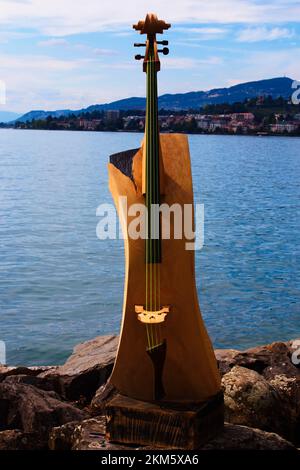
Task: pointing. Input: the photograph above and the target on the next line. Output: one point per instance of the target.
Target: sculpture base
(165, 426)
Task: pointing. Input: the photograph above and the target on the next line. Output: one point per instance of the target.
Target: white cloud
(27, 76)
(276, 63)
(45, 82)
(232, 82)
(107, 52)
(183, 63)
(37, 63)
(203, 34)
(53, 42)
(204, 30)
(264, 34)
(64, 17)
(260, 65)
(42, 81)
(7, 36)
(98, 51)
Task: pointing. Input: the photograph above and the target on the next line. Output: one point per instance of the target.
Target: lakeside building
(89, 124)
(231, 123)
(111, 115)
(64, 124)
(284, 127)
(134, 122)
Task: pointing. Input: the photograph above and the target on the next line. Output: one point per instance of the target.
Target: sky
(69, 54)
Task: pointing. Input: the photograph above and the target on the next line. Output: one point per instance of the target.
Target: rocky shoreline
(62, 407)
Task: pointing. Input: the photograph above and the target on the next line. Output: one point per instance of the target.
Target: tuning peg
(163, 43)
(139, 44)
(165, 50)
(139, 57)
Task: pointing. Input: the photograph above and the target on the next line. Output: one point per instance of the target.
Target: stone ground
(63, 407)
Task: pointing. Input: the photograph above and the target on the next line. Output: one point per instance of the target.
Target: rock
(251, 401)
(280, 361)
(261, 388)
(87, 435)
(61, 437)
(289, 390)
(6, 371)
(235, 437)
(15, 439)
(90, 435)
(269, 360)
(294, 346)
(102, 395)
(46, 383)
(226, 359)
(32, 410)
(87, 368)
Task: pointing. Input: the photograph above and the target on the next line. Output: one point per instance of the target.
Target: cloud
(28, 73)
(92, 74)
(98, 51)
(276, 63)
(53, 42)
(45, 82)
(7, 36)
(124, 33)
(264, 34)
(37, 63)
(183, 63)
(107, 52)
(203, 34)
(232, 81)
(66, 17)
(259, 65)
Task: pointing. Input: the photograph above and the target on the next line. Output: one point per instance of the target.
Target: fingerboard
(153, 241)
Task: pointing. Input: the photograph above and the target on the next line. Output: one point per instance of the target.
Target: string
(153, 253)
(154, 196)
(158, 201)
(154, 180)
(147, 204)
(156, 188)
(150, 155)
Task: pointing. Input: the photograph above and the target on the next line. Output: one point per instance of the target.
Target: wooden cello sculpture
(164, 354)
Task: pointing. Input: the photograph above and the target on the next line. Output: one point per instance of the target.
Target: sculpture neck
(152, 170)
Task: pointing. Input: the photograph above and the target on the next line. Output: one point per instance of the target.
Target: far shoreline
(121, 131)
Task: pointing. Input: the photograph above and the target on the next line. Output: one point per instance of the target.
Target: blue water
(60, 285)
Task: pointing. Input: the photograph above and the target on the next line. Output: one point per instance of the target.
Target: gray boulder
(269, 360)
(15, 439)
(235, 437)
(86, 370)
(251, 401)
(86, 435)
(32, 410)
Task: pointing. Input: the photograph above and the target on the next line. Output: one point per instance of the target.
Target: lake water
(60, 285)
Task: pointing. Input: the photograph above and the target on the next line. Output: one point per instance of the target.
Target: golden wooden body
(190, 372)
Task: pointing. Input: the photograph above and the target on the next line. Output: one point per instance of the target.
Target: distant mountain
(275, 87)
(7, 116)
(40, 114)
